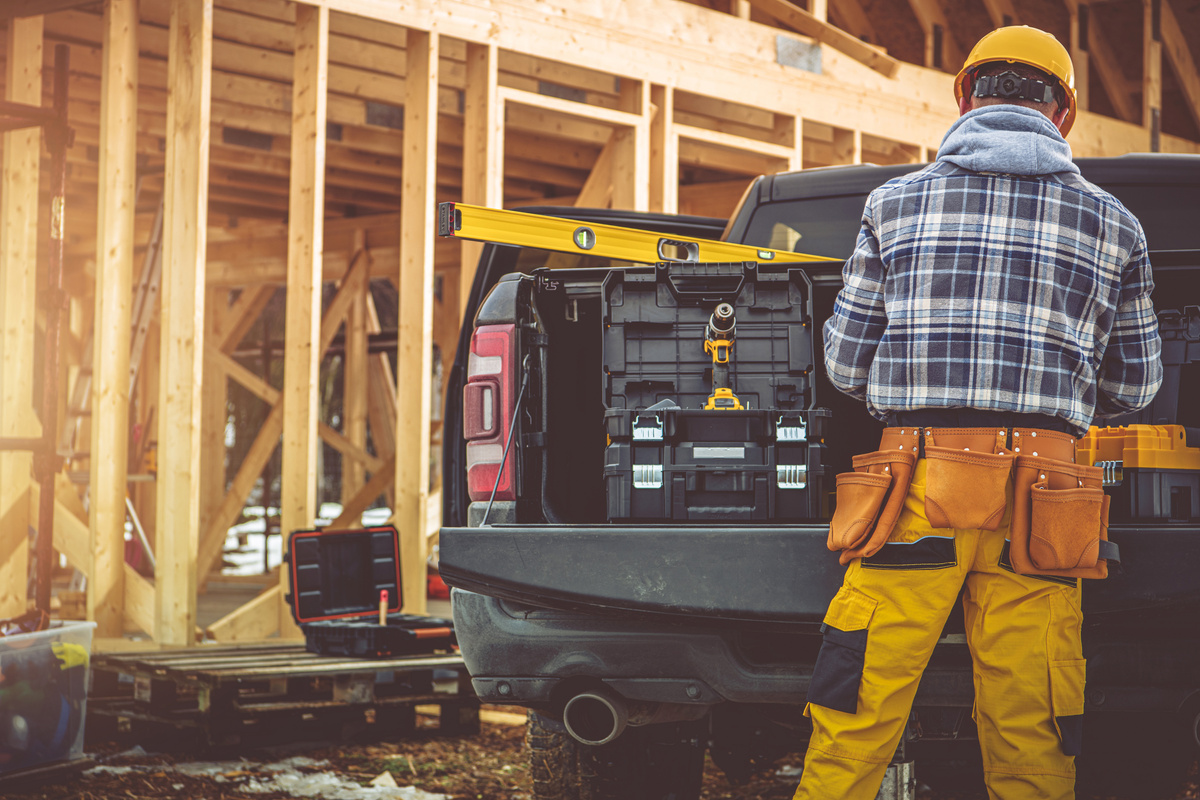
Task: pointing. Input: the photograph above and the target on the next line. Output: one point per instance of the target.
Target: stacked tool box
(1151, 457)
(668, 458)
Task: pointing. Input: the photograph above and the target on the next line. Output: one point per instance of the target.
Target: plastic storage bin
(43, 695)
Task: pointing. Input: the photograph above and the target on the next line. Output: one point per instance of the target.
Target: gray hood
(1008, 139)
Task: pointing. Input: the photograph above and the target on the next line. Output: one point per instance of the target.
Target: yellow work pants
(881, 627)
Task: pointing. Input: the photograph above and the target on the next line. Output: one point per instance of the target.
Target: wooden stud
(1152, 72)
(113, 318)
(355, 383)
(631, 154)
(138, 600)
(20, 232)
(182, 346)
(664, 151)
(819, 9)
(1079, 55)
(416, 312)
(306, 212)
(483, 149)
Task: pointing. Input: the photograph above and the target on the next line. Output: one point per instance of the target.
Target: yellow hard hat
(1024, 45)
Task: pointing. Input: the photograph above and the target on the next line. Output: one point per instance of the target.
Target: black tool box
(667, 457)
(338, 578)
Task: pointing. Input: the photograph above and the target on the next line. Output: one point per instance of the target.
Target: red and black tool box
(337, 580)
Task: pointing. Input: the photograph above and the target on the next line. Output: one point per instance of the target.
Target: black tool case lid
(339, 574)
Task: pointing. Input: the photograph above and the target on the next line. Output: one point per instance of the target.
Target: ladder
(145, 299)
(144, 303)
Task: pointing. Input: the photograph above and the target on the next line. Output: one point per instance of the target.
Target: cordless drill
(718, 341)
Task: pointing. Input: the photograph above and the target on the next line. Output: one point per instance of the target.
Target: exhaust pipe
(595, 717)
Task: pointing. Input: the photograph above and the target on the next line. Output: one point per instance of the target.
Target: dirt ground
(488, 766)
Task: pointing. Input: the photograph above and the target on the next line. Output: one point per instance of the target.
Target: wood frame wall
(498, 99)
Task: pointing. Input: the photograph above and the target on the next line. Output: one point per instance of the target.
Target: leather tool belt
(1059, 521)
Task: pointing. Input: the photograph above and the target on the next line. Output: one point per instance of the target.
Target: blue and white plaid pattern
(975, 290)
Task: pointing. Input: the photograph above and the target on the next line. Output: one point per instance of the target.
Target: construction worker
(995, 304)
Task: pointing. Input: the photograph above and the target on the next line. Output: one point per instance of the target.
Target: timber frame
(303, 146)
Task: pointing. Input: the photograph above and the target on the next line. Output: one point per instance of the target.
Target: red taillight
(488, 397)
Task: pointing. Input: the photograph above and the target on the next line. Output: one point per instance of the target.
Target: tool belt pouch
(869, 501)
(965, 489)
(1060, 520)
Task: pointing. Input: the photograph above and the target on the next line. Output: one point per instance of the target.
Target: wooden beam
(1107, 62)
(381, 397)
(483, 149)
(182, 349)
(1002, 13)
(931, 16)
(1152, 72)
(214, 414)
(664, 152)
(355, 385)
(35, 8)
(253, 622)
(306, 212)
(1183, 61)
(20, 231)
(139, 599)
(415, 357)
(597, 191)
(243, 314)
(800, 20)
(113, 318)
(850, 17)
(353, 508)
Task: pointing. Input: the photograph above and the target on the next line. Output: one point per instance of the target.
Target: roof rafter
(929, 13)
(800, 20)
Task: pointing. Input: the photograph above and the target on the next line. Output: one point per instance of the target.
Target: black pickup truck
(644, 634)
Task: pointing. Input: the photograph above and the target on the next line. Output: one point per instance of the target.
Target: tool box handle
(706, 282)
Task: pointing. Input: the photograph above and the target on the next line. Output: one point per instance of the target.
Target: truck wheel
(659, 762)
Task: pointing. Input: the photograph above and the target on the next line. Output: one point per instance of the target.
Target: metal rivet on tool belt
(966, 448)
(914, 449)
(1035, 452)
(1040, 477)
(901, 431)
(901, 447)
(1033, 433)
(889, 469)
(999, 433)
(1016, 433)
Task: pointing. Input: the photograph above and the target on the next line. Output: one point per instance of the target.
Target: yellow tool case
(1150, 471)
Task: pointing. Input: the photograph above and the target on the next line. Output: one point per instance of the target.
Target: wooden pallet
(270, 693)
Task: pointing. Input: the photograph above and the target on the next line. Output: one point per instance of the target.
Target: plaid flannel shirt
(998, 292)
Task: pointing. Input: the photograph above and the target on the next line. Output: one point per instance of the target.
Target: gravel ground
(488, 766)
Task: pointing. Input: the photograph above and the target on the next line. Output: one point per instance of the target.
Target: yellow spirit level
(559, 234)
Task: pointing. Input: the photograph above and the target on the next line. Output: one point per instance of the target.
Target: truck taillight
(488, 399)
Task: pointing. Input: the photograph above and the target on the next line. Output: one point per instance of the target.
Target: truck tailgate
(764, 574)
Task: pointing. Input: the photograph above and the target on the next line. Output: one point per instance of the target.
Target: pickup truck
(641, 645)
